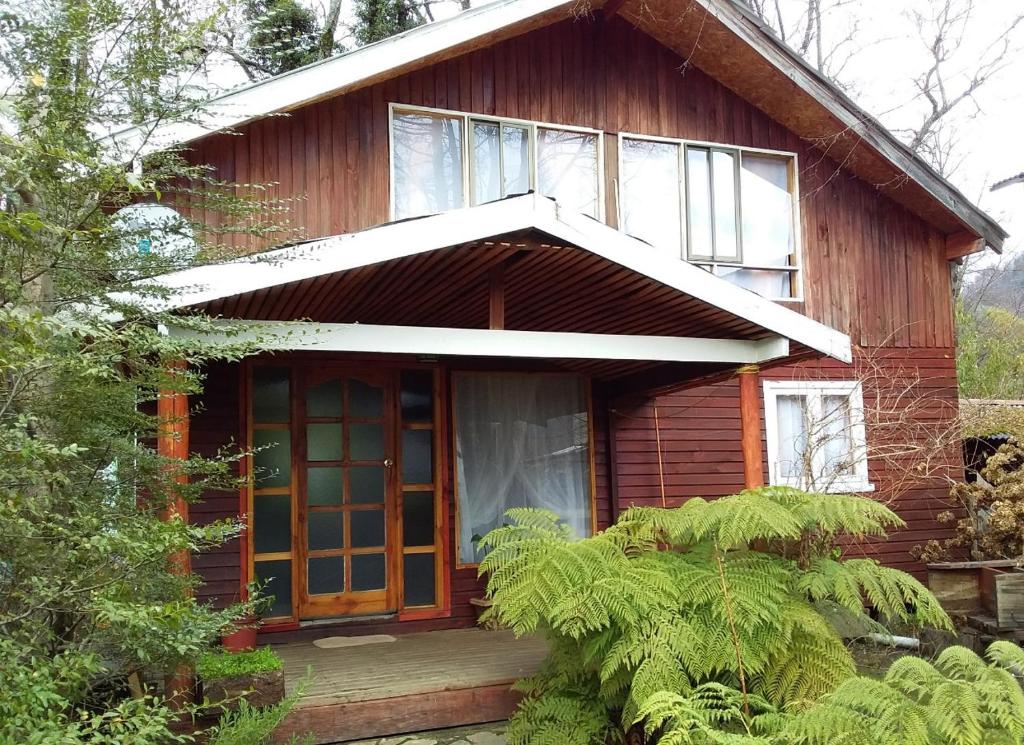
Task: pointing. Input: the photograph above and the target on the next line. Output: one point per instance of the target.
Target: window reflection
(567, 168)
(428, 164)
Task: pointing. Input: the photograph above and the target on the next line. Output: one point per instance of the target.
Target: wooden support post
(497, 298)
(173, 417)
(172, 442)
(750, 427)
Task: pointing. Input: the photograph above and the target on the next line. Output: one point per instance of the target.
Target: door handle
(388, 463)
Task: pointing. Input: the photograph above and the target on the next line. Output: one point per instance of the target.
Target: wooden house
(563, 256)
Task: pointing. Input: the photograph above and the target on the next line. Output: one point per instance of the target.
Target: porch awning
(571, 288)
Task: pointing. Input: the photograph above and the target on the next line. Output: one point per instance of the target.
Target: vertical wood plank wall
(871, 268)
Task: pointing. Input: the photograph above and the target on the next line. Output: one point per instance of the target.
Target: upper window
(816, 435)
(443, 160)
(731, 210)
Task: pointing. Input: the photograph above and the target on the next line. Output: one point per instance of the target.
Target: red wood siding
(215, 425)
(700, 436)
(872, 269)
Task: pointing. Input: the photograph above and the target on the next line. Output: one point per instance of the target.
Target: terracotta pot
(243, 638)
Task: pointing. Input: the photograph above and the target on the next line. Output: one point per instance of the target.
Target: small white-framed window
(816, 435)
(442, 160)
(732, 210)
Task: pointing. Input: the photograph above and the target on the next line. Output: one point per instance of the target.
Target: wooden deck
(416, 682)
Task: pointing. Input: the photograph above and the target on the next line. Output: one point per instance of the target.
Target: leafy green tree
(379, 19)
(990, 353)
(729, 601)
(283, 35)
(91, 606)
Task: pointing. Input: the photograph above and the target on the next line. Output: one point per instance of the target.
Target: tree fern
(715, 602)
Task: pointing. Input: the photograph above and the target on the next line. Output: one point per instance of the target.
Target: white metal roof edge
(411, 237)
(311, 82)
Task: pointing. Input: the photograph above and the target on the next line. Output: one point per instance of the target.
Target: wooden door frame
(345, 603)
(393, 365)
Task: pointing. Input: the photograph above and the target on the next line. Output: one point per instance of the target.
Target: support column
(750, 426)
(172, 443)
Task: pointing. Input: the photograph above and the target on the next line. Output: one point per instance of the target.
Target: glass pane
(366, 484)
(326, 530)
(366, 441)
(417, 397)
(368, 572)
(724, 183)
(417, 456)
(270, 399)
(567, 169)
(325, 575)
(272, 458)
(365, 399)
(698, 201)
(838, 457)
(272, 523)
(521, 441)
(767, 207)
(486, 163)
(649, 190)
(324, 399)
(366, 528)
(275, 580)
(323, 441)
(792, 416)
(418, 518)
(427, 161)
(766, 282)
(419, 579)
(324, 486)
(515, 144)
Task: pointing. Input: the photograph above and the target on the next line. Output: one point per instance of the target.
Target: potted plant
(227, 677)
(240, 636)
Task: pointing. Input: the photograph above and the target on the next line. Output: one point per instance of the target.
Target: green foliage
(707, 602)
(958, 700)
(379, 19)
(224, 664)
(250, 725)
(990, 353)
(283, 35)
(88, 598)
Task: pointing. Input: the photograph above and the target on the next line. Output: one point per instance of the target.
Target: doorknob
(388, 463)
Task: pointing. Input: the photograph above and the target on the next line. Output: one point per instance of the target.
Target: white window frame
(466, 119)
(815, 391)
(796, 270)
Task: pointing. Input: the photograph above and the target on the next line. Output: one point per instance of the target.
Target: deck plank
(413, 664)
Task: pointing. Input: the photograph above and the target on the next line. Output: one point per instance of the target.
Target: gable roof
(201, 285)
(719, 36)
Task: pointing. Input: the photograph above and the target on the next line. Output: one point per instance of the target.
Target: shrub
(960, 700)
(223, 664)
(250, 725)
(724, 605)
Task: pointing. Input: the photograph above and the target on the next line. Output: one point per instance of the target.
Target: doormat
(337, 642)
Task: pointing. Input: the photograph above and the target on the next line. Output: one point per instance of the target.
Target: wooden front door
(346, 500)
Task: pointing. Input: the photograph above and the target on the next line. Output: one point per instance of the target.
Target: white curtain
(792, 416)
(521, 441)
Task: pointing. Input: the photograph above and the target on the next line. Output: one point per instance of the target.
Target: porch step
(418, 682)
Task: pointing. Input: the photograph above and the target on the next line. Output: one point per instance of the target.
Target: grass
(221, 664)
